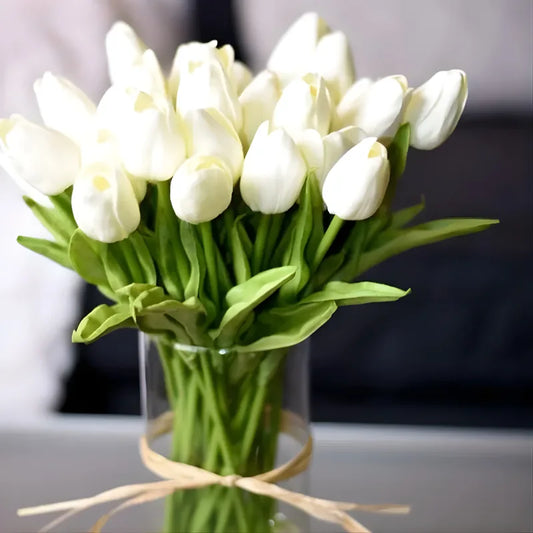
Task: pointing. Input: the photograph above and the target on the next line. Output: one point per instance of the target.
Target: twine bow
(181, 476)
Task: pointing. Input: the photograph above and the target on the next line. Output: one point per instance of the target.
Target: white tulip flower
(434, 109)
(311, 146)
(207, 85)
(335, 145)
(355, 186)
(210, 133)
(294, 54)
(144, 75)
(304, 103)
(42, 157)
(104, 204)
(193, 54)
(375, 107)
(190, 55)
(273, 172)
(150, 138)
(64, 107)
(201, 189)
(124, 49)
(334, 62)
(241, 76)
(102, 148)
(258, 101)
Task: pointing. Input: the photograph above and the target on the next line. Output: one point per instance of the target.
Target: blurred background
(457, 351)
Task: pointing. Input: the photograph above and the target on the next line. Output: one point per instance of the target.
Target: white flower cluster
(209, 126)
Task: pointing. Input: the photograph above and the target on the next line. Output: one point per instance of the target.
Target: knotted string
(180, 476)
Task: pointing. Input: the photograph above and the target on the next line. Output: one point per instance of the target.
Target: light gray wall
(490, 39)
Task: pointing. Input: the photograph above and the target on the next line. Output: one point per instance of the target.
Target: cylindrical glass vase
(230, 415)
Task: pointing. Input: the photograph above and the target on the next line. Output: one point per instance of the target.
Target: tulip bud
(294, 54)
(434, 108)
(191, 55)
(355, 186)
(374, 107)
(335, 145)
(64, 107)
(104, 203)
(44, 158)
(207, 85)
(210, 133)
(304, 103)
(124, 49)
(150, 139)
(334, 62)
(144, 75)
(241, 76)
(311, 147)
(258, 101)
(201, 189)
(273, 172)
(102, 148)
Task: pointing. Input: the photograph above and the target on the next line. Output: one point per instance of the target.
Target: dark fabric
(458, 350)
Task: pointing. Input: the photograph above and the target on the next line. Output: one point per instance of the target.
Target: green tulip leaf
(362, 292)
(392, 243)
(328, 267)
(286, 326)
(132, 291)
(116, 267)
(402, 217)
(314, 197)
(58, 220)
(102, 320)
(153, 309)
(397, 151)
(246, 296)
(295, 254)
(171, 257)
(241, 263)
(85, 254)
(52, 250)
(139, 259)
(191, 246)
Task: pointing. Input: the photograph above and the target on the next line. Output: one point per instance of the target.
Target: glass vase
(230, 412)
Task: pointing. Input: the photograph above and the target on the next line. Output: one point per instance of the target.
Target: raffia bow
(181, 476)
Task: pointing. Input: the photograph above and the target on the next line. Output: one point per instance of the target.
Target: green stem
(327, 240)
(260, 242)
(211, 260)
(250, 432)
(211, 399)
(272, 240)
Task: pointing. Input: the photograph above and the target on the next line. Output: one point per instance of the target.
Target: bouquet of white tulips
(222, 210)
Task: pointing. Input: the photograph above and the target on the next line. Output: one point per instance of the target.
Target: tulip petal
(104, 204)
(434, 108)
(64, 107)
(258, 101)
(123, 49)
(201, 189)
(210, 133)
(355, 186)
(273, 172)
(293, 55)
(26, 149)
(207, 85)
(334, 62)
